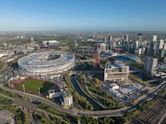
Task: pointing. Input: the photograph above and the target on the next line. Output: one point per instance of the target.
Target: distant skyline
(83, 15)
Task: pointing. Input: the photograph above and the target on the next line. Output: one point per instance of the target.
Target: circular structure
(46, 63)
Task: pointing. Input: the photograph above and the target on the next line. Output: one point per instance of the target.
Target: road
(34, 120)
(75, 112)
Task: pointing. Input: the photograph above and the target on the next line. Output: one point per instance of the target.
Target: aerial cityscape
(82, 62)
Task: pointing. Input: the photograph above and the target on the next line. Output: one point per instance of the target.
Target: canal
(81, 93)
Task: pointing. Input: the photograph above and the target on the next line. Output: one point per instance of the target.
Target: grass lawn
(32, 86)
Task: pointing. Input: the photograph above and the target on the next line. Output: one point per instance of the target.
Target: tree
(97, 82)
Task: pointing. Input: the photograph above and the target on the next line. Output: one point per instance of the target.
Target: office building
(160, 44)
(154, 38)
(160, 48)
(103, 47)
(164, 48)
(151, 65)
(126, 37)
(151, 50)
(141, 51)
(162, 53)
(105, 39)
(140, 37)
(109, 38)
(116, 72)
(137, 44)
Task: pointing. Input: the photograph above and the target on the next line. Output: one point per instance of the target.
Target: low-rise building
(50, 43)
(113, 92)
(53, 94)
(67, 99)
(114, 86)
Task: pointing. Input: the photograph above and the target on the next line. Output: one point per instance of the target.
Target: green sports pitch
(33, 86)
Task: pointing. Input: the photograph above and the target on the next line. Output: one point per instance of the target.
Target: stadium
(46, 63)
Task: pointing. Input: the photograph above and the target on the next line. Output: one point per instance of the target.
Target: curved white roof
(41, 62)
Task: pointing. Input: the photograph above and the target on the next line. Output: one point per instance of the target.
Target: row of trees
(82, 101)
(93, 88)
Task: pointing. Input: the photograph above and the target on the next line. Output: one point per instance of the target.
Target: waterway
(77, 88)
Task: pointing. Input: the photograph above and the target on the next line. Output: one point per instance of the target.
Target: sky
(83, 15)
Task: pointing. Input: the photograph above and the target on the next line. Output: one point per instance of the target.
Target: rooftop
(116, 64)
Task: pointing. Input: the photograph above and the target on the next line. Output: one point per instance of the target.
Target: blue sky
(88, 15)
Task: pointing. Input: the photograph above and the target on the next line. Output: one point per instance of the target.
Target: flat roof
(117, 64)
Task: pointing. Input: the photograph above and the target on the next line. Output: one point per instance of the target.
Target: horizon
(83, 15)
